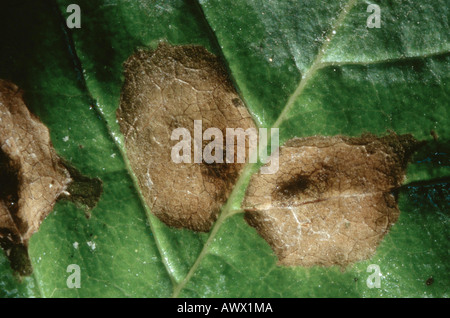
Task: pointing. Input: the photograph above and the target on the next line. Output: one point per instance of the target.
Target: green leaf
(307, 67)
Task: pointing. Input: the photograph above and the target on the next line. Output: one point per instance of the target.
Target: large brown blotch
(31, 175)
(331, 201)
(166, 89)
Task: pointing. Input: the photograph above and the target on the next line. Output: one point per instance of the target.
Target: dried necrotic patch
(330, 203)
(31, 176)
(164, 90)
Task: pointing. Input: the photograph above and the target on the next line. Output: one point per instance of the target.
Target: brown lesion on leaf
(169, 88)
(331, 201)
(32, 176)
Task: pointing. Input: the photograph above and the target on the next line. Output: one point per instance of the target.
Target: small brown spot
(429, 281)
(331, 201)
(237, 102)
(293, 187)
(434, 135)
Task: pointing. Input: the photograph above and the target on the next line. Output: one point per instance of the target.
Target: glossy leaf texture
(307, 67)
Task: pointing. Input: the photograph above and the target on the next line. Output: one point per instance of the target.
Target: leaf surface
(308, 68)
